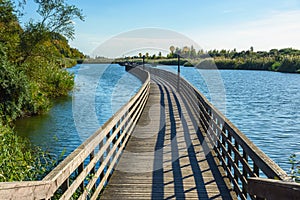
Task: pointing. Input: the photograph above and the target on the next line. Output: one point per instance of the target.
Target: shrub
(288, 65)
(19, 160)
(295, 168)
(13, 89)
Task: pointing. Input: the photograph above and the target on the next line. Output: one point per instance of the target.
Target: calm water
(60, 130)
(264, 105)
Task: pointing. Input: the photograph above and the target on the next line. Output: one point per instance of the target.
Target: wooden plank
(273, 189)
(171, 145)
(25, 190)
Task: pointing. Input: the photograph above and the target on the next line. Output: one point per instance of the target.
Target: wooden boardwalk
(174, 144)
(164, 158)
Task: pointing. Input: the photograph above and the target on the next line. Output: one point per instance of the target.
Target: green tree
(56, 18)
(159, 55)
(30, 75)
(193, 53)
(10, 29)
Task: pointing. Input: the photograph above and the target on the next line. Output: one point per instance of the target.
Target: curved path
(165, 158)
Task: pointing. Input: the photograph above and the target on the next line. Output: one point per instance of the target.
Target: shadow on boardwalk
(165, 157)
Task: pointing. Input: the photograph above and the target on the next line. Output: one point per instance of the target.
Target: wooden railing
(273, 189)
(85, 172)
(238, 156)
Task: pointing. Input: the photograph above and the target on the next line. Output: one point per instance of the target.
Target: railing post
(236, 162)
(109, 146)
(255, 169)
(93, 171)
(178, 69)
(245, 157)
(229, 150)
(101, 161)
(65, 185)
(80, 169)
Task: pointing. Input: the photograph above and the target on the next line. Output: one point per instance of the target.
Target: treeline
(32, 59)
(283, 60)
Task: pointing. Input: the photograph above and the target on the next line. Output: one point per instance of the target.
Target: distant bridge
(167, 142)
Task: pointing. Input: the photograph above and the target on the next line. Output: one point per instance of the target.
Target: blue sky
(213, 24)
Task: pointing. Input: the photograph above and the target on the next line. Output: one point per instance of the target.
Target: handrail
(238, 155)
(87, 169)
(273, 189)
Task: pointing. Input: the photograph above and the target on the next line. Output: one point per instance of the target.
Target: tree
(193, 53)
(159, 55)
(186, 52)
(172, 49)
(56, 18)
(10, 29)
(177, 51)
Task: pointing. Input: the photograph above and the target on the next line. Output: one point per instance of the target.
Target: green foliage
(289, 65)
(19, 160)
(49, 77)
(10, 29)
(295, 168)
(283, 60)
(206, 64)
(31, 74)
(275, 66)
(57, 16)
(13, 89)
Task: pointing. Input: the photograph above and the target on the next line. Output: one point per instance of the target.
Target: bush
(13, 89)
(207, 64)
(275, 66)
(295, 168)
(52, 81)
(289, 65)
(19, 160)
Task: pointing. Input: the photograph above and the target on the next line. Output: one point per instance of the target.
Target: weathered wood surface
(238, 156)
(273, 189)
(164, 158)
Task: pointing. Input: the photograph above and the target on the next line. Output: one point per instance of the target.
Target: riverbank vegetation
(295, 167)
(280, 60)
(32, 61)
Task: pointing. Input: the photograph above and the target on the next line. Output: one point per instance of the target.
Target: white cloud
(277, 30)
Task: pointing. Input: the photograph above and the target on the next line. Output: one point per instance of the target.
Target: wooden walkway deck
(164, 158)
(177, 146)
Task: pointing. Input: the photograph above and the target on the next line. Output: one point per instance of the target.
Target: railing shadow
(159, 185)
(210, 158)
(158, 173)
